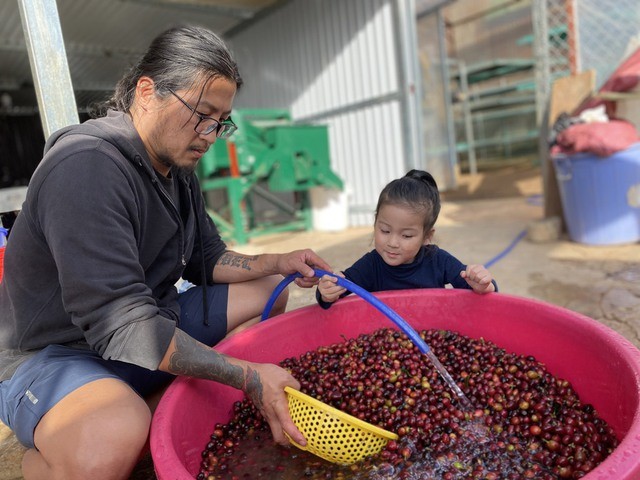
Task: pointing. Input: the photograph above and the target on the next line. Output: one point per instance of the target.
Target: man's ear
(145, 91)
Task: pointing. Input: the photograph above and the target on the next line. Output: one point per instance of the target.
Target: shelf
(556, 33)
(496, 102)
(523, 86)
(502, 113)
(617, 96)
(482, 71)
(511, 94)
(498, 141)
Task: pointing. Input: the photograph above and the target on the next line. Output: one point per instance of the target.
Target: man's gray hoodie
(97, 248)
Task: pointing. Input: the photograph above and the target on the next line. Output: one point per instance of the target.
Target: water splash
(462, 398)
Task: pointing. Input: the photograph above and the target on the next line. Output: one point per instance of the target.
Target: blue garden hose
(352, 287)
(510, 247)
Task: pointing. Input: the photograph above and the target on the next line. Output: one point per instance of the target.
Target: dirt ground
(481, 222)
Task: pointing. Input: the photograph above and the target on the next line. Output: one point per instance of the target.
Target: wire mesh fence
(505, 56)
(606, 35)
(573, 36)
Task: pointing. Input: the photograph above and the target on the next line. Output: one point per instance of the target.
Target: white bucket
(330, 209)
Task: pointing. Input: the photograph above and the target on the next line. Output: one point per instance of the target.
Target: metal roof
(103, 38)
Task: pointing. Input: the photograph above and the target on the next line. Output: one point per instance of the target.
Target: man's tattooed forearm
(235, 260)
(253, 387)
(194, 359)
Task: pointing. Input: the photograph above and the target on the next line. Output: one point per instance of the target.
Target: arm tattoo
(193, 359)
(253, 387)
(237, 260)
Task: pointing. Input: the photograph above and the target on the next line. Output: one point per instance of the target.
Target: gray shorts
(44, 379)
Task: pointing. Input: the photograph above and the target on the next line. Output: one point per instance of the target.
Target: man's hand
(303, 262)
(264, 385)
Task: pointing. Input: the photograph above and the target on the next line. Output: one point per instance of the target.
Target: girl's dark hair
(176, 59)
(417, 190)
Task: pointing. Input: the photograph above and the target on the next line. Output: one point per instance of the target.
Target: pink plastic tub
(603, 367)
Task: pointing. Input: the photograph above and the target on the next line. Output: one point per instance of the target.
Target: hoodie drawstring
(203, 275)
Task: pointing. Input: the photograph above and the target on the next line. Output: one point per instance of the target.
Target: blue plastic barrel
(601, 196)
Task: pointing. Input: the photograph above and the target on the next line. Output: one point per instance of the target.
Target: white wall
(337, 63)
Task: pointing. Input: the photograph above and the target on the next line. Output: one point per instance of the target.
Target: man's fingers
(280, 422)
(305, 282)
(293, 432)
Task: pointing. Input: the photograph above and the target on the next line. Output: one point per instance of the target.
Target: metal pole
(406, 32)
(48, 59)
(468, 119)
(452, 181)
(541, 54)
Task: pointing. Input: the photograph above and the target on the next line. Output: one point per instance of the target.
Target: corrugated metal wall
(335, 63)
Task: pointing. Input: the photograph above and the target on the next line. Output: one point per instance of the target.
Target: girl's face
(399, 234)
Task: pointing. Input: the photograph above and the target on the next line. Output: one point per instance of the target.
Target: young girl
(404, 257)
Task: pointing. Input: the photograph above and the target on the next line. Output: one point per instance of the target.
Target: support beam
(49, 67)
(405, 31)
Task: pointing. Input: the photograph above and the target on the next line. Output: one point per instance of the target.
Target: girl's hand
(478, 278)
(328, 288)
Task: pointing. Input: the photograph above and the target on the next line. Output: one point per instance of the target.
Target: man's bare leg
(248, 299)
(97, 431)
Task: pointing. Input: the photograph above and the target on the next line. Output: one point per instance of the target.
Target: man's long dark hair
(176, 59)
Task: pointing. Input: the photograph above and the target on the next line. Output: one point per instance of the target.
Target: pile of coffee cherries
(524, 422)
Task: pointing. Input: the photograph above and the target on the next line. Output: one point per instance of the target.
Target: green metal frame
(243, 226)
(269, 150)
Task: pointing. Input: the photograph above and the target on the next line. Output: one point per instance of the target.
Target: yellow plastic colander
(332, 434)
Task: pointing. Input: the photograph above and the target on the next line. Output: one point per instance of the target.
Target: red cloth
(602, 139)
(624, 79)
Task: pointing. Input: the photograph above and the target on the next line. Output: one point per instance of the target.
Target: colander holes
(330, 437)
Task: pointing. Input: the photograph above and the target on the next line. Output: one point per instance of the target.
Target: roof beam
(241, 13)
(77, 49)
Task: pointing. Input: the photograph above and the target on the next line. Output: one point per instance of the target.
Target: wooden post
(567, 94)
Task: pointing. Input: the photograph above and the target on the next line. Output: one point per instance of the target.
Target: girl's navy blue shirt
(432, 268)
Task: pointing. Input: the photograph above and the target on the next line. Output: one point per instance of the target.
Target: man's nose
(210, 139)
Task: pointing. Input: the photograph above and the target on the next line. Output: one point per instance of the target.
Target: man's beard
(175, 169)
(183, 171)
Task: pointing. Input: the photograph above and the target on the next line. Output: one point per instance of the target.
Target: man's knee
(97, 431)
(103, 453)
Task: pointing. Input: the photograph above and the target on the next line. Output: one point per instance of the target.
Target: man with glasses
(91, 324)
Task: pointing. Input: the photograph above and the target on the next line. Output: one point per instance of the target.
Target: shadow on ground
(510, 181)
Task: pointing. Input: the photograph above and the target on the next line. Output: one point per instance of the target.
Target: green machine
(269, 162)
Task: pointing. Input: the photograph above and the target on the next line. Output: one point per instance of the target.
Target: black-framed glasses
(207, 125)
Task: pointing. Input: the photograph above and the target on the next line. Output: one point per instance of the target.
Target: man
(90, 319)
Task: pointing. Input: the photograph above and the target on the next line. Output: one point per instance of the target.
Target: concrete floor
(480, 223)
